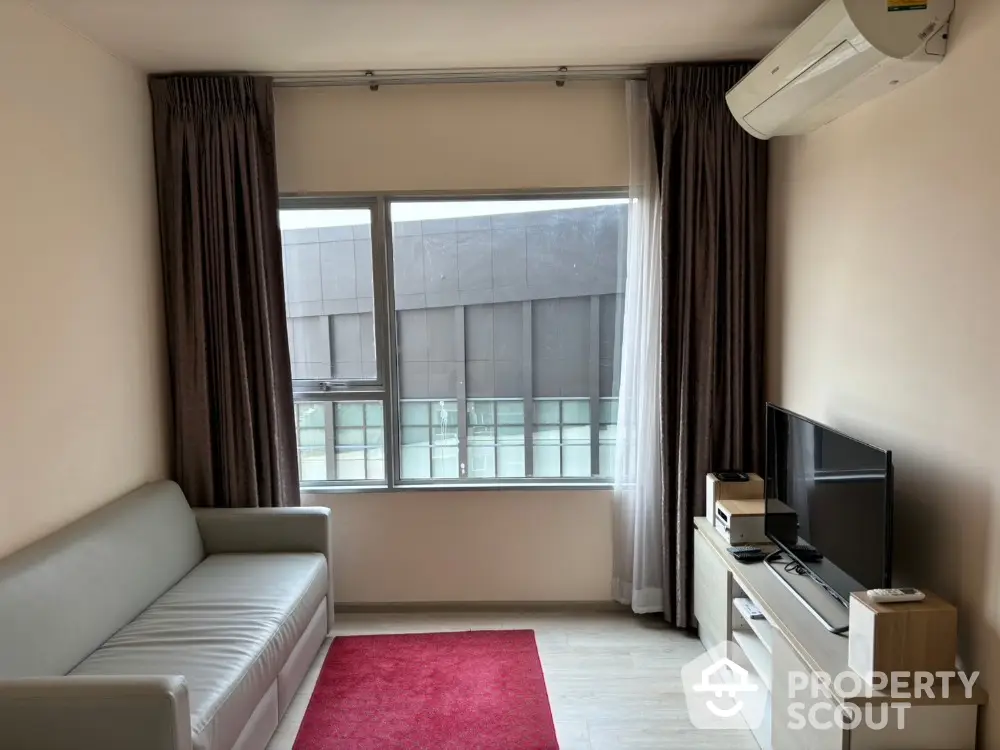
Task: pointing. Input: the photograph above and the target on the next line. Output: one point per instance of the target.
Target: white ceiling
(331, 35)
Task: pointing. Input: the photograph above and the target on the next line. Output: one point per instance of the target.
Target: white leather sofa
(147, 625)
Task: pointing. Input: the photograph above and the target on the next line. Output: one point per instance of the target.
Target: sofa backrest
(64, 595)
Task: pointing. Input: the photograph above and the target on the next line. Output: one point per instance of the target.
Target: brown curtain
(234, 439)
(713, 181)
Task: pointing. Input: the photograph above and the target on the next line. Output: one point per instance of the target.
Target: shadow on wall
(775, 301)
(880, 319)
(942, 534)
(942, 521)
(779, 274)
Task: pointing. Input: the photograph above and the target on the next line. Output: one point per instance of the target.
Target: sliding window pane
(312, 464)
(576, 461)
(576, 412)
(498, 303)
(329, 299)
(340, 441)
(547, 434)
(608, 432)
(562, 438)
(415, 440)
(576, 438)
(609, 411)
(510, 412)
(358, 441)
(415, 413)
(510, 435)
(429, 439)
(375, 462)
(444, 419)
(417, 436)
(495, 429)
(546, 460)
(444, 461)
(482, 462)
(350, 462)
(481, 423)
(349, 436)
(416, 462)
(444, 439)
(310, 415)
(350, 414)
(312, 437)
(311, 423)
(547, 412)
(510, 460)
(607, 461)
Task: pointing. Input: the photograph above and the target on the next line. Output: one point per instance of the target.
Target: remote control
(747, 553)
(806, 553)
(895, 596)
(732, 476)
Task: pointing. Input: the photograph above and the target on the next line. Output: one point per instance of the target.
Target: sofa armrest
(227, 530)
(111, 713)
(265, 530)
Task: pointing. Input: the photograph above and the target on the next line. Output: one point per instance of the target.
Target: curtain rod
(376, 78)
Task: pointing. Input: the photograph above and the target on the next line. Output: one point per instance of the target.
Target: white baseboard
(486, 607)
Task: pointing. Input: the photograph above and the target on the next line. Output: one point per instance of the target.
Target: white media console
(790, 640)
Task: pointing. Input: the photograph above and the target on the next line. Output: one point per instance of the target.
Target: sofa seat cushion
(227, 627)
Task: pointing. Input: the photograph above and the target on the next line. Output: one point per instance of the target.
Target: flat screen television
(840, 491)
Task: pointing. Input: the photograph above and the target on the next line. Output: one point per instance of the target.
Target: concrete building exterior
(508, 319)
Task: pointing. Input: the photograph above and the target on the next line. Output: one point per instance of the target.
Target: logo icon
(721, 693)
(720, 687)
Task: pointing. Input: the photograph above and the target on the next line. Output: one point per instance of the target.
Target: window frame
(385, 388)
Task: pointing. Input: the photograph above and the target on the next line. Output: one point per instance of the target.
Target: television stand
(771, 560)
(789, 641)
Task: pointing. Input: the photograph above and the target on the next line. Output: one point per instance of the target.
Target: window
(329, 294)
(469, 341)
(495, 430)
(607, 436)
(429, 439)
(340, 440)
(562, 438)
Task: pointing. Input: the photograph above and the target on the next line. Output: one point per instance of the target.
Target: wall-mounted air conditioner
(845, 53)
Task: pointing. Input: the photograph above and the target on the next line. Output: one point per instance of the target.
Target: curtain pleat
(713, 188)
(637, 523)
(230, 372)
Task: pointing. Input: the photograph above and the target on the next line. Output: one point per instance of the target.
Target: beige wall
(452, 137)
(459, 546)
(884, 310)
(82, 371)
(504, 545)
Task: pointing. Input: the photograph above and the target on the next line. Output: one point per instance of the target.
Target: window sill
(325, 489)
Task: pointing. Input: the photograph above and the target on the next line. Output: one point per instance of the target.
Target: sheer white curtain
(638, 508)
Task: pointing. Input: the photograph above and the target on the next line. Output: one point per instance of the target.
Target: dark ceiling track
(373, 79)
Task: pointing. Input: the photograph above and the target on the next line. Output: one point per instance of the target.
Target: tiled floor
(613, 680)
